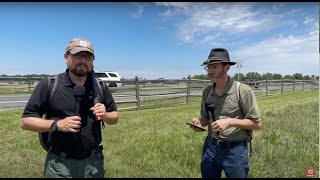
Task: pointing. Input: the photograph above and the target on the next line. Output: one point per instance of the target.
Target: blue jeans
(232, 160)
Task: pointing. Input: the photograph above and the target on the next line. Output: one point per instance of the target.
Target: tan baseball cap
(79, 44)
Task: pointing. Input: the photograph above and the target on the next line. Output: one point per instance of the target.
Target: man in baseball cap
(79, 56)
(74, 143)
(79, 44)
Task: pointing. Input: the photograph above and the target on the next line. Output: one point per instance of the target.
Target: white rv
(110, 77)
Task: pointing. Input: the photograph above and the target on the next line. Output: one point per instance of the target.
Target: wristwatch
(54, 126)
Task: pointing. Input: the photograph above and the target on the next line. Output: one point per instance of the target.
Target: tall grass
(158, 143)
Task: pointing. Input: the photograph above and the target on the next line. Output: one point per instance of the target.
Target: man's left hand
(221, 124)
(99, 109)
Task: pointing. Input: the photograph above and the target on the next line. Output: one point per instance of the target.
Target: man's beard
(80, 72)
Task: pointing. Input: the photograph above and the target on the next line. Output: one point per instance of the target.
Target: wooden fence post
(294, 85)
(29, 83)
(302, 85)
(137, 93)
(188, 89)
(282, 86)
(267, 89)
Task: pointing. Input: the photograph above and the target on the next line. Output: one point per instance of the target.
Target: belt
(79, 156)
(221, 143)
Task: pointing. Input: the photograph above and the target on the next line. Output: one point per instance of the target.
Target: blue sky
(161, 40)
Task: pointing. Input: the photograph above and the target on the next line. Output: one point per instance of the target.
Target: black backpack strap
(101, 86)
(45, 137)
(207, 91)
(249, 131)
(52, 86)
(101, 93)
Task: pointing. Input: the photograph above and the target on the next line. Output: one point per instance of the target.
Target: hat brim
(79, 49)
(218, 61)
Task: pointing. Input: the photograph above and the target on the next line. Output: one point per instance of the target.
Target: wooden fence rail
(138, 94)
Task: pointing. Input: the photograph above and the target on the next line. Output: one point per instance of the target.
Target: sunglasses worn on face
(80, 56)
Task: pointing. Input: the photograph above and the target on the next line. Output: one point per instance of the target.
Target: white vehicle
(111, 78)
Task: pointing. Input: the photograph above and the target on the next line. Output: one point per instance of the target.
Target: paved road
(13, 101)
(21, 100)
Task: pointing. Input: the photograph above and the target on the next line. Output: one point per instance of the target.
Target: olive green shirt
(227, 105)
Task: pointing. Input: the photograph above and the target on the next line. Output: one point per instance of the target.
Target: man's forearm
(36, 124)
(245, 124)
(111, 117)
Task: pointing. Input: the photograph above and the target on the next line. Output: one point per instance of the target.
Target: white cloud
(311, 22)
(139, 12)
(205, 19)
(292, 23)
(269, 37)
(308, 20)
(282, 54)
(277, 6)
(197, 22)
(167, 13)
(180, 5)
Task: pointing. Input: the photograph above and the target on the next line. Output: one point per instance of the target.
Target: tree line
(266, 76)
(241, 76)
(28, 75)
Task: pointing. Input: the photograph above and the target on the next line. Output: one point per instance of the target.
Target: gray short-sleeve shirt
(227, 105)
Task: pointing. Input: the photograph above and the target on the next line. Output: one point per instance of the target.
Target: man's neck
(221, 83)
(76, 79)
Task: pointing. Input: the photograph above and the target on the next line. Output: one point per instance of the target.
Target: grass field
(158, 143)
(11, 91)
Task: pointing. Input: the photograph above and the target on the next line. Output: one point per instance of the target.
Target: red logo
(310, 172)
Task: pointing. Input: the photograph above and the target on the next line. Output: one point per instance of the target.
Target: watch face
(54, 126)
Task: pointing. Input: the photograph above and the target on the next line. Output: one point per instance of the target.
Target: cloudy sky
(161, 40)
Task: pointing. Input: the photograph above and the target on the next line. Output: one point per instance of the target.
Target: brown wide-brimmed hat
(218, 55)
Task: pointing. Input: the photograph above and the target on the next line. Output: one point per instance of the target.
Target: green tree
(267, 76)
(297, 76)
(241, 76)
(250, 75)
(287, 77)
(253, 75)
(258, 76)
(201, 76)
(306, 77)
(276, 76)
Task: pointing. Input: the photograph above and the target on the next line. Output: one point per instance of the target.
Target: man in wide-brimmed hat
(230, 111)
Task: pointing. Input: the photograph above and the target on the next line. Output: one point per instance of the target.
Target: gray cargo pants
(61, 167)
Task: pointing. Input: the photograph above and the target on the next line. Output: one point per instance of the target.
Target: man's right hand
(196, 122)
(69, 124)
